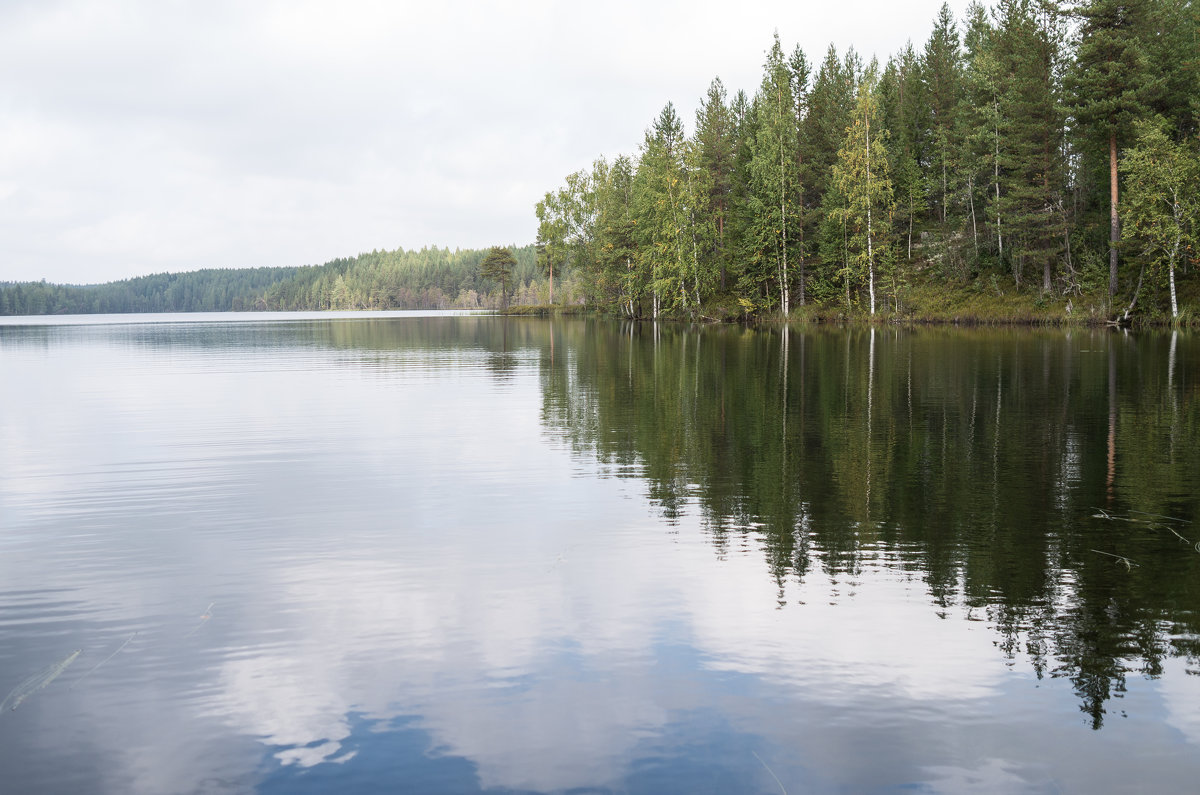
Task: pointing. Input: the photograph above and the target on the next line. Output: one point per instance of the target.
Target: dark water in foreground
(455, 554)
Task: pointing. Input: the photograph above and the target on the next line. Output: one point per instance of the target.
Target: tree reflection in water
(1012, 470)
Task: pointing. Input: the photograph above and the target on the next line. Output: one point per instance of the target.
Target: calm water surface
(457, 554)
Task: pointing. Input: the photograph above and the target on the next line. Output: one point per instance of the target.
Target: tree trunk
(870, 260)
(721, 239)
(943, 178)
(783, 276)
(910, 221)
(996, 165)
(974, 228)
(1174, 256)
(1114, 224)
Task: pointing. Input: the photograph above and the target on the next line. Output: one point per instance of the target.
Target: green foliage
(498, 267)
(1030, 126)
(772, 236)
(822, 132)
(429, 278)
(670, 193)
(1111, 81)
(1162, 204)
(863, 180)
(210, 290)
(716, 153)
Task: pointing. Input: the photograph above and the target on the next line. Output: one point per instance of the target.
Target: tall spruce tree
(716, 146)
(1029, 46)
(745, 126)
(775, 203)
(1112, 84)
(1173, 47)
(801, 72)
(944, 90)
(979, 134)
(905, 111)
(830, 108)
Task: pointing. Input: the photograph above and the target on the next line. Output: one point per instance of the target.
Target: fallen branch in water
(769, 770)
(1175, 533)
(1128, 563)
(1160, 516)
(36, 682)
(106, 659)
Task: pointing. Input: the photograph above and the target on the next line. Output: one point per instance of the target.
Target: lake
(424, 552)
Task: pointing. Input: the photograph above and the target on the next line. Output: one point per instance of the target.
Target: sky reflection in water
(463, 554)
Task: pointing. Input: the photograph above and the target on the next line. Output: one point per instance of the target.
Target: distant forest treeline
(431, 278)
(1041, 149)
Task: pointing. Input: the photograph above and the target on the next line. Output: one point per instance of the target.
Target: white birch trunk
(870, 253)
(1174, 255)
(783, 280)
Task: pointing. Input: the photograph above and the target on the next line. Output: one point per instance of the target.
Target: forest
(431, 278)
(1037, 161)
(1035, 158)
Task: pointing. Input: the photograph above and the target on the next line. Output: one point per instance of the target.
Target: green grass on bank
(982, 301)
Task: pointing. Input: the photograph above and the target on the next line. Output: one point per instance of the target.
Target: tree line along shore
(1036, 161)
(1033, 161)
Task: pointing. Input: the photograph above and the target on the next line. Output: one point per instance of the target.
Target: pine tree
(498, 267)
(1030, 126)
(1111, 86)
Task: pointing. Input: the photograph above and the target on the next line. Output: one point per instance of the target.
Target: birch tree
(1162, 201)
(862, 176)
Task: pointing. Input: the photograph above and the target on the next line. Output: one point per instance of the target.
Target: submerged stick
(1128, 563)
(106, 659)
(36, 682)
(1175, 533)
(203, 620)
(772, 772)
(1160, 516)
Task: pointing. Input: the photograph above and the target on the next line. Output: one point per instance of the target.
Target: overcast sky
(141, 137)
